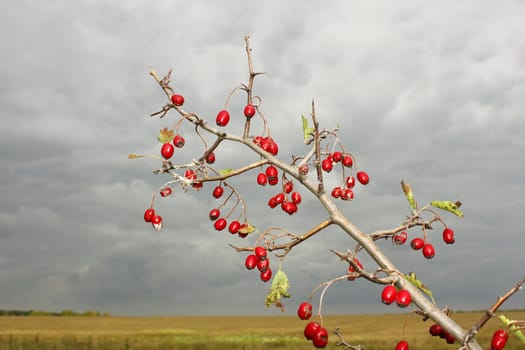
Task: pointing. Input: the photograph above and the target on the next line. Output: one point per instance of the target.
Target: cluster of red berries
(287, 199)
(390, 294)
(313, 331)
(437, 331)
(151, 217)
(267, 143)
(259, 259)
(344, 192)
(499, 339)
(269, 176)
(419, 243)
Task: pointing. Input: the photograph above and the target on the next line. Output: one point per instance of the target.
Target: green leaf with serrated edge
(306, 129)
(448, 206)
(225, 171)
(513, 328)
(411, 277)
(278, 290)
(166, 135)
(407, 190)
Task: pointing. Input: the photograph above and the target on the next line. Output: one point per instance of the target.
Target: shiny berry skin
(272, 181)
(296, 197)
(156, 221)
(249, 111)
(214, 214)
(260, 253)
(234, 227)
(289, 207)
(304, 312)
(336, 192)
(449, 338)
(288, 187)
(165, 192)
(178, 141)
(223, 118)
(220, 224)
(417, 243)
(350, 181)
(400, 238)
(428, 251)
(389, 294)
(347, 161)
(402, 345)
(310, 329)
(435, 330)
(362, 177)
(266, 275)
(190, 174)
(218, 191)
(250, 262)
(279, 198)
(262, 179)
(337, 156)
(448, 236)
(263, 264)
(149, 214)
(167, 150)
(347, 194)
(210, 158)
(271, 172)
(403, 298)
(272, 202)
(499, 339)
(326, 164)
(320, 338)
(177, 100)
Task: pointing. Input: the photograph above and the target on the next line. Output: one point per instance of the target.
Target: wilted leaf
(166, 135)
(407, 190)
(133, 156)
(278, 290)
(448, 206)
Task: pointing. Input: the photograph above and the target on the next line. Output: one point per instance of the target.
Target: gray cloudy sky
(432, 92)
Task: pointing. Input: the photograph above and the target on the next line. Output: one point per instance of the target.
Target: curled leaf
(166, 135)
(407, 190)
(448, 206)
(278, 290)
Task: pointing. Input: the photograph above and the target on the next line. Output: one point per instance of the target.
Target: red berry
(435, 330)
(428, 251)
(178, 141)
(320, 338)
(500, 333)
(403, 298)
(337, 156)
(402, 345)
(310, 329)
(289, 207)
(347, 194)
(149, 214)
(303, 170)
(218, 191)
(448, 236)
(260, 253)
(389, 294)
(165, 192)
(214, 214)
(304, 311)
(210, 158)
(156, 221)
(262, 179)
(250, 262)
(263, 264)
(326, 164)
(271, 172)
(347, 161)
(167, 150)
(177, 100)
(190, 174)
(279, 198)
(274, 148)
(249, 111)
(336, 192)
(288, 187)
(363, 177)
(499, 340)
(234, 227)
(272, 203)
(350, 181)
(417, 243)
(223, 118)
(351, 269)
(296, 197)
(220, 224)
(272, 181)
(266, 275)
(449, 338)
(400, 238)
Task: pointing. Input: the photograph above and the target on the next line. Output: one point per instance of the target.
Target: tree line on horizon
(66, 312)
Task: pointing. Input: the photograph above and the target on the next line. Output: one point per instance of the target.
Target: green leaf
(225, 171)
(411, 277)
(306, 129)
(246, 229)
(448, 206)
(407, 190)
(513, 328)
(278, 290)
(165, 135)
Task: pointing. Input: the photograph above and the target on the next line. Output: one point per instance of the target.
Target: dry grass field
(273, 332)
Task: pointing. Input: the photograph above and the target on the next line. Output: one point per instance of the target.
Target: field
(202, 333)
